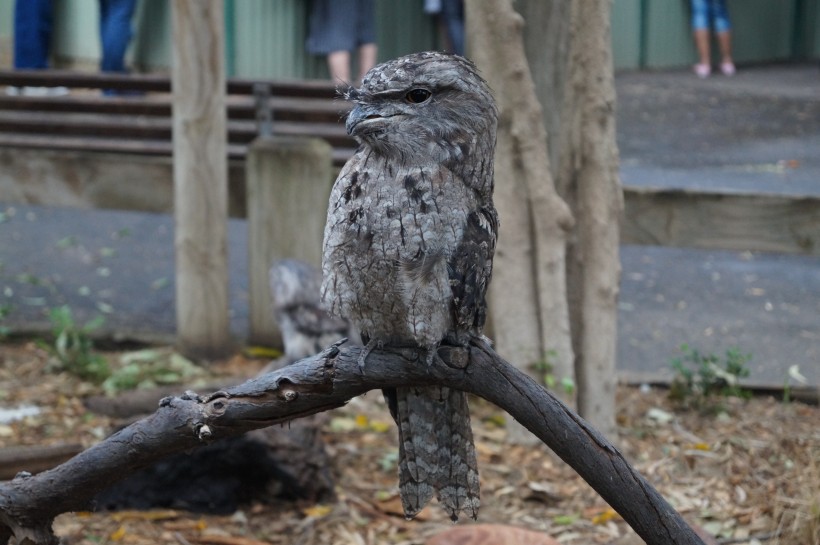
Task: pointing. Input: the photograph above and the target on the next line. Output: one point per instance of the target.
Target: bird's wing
(470, 268)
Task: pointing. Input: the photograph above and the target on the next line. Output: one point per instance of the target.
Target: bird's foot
(368, 348)
(432, 354)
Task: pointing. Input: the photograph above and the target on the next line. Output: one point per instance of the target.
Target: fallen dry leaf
(490, 534)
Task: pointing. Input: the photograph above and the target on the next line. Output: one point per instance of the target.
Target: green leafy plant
(545, 367)
(73, 347)
(149, 368)
(702, 379)
(5, 310)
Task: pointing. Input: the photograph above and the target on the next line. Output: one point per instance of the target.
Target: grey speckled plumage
(408, 249)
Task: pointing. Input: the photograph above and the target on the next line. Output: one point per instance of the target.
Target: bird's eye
(417, 96)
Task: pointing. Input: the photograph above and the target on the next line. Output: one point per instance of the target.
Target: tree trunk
(527, 300)
(588, 180)
(200, 178)
(546, 42)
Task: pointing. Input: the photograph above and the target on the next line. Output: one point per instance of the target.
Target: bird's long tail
(436, 450)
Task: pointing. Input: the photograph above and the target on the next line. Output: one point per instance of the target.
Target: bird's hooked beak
(360, 117)
(358, 114)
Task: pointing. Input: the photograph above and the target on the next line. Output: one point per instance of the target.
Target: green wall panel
(668, 41)
(6, 32)
(626, 33)
(151, 47)
(76, 32)
(762, 29)
(269, 40)
(807, 29)
(814, 52)
(402, 27)
(6, 18)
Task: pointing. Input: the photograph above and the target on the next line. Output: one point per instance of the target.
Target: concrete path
(758, 131)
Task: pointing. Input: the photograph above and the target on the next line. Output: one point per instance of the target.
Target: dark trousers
(115, 32)
(32, 33)
(33, 28)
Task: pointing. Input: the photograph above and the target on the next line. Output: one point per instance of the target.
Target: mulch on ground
(749, 473)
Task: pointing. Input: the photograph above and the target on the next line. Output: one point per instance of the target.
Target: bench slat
(156, 82)
(137, 147)
(239, 107)
(151, 127)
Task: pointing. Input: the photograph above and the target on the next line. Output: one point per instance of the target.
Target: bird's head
(424, 108)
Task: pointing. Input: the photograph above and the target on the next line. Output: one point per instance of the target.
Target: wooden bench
(84, 120)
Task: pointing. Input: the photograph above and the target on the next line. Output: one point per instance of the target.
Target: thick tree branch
(28, 504)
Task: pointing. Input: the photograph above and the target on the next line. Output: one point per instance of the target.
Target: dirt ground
(749, 474)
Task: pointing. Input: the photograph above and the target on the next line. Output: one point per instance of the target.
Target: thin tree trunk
(546, 41)
(200, 178)
(588, 180)
(527, 296)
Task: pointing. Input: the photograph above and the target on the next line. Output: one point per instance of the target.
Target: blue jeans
(115, 32)
(33, 28)
(705, 10)
(32, 33)
(452, 12)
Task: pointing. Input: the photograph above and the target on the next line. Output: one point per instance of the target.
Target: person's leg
(700, 33)
(32, 33)
(115, 33)
(453, 14)
(702, 45)
(367, 59)
(338, 63)
(723, 31)
(332, 34)
(727, 65)
(364, 34)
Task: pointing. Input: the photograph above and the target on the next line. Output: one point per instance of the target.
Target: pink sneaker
(728, 68)
(702, 70)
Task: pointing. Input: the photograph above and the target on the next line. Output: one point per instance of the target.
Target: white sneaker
(44, 91)
(702, 70)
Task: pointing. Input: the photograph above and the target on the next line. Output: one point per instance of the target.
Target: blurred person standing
(116, 32)
(713, 14)
(32, 33)
(338, 27)
(33, 30)
(450, 16)
(33, 27)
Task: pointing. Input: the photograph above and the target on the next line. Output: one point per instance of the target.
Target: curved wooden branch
(28, 504)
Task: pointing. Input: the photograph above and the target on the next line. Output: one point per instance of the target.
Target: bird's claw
(368, 348)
